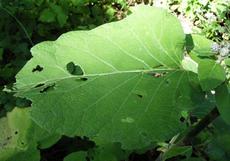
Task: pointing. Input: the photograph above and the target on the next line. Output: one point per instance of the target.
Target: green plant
(125, 86)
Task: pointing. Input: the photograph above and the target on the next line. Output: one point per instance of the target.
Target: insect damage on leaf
(39, 85)
(48, 88)
(82, 79)
(157, 75)
(127, 120)
(74, 69)
(5, 142)
(38, 68)
(139, 93)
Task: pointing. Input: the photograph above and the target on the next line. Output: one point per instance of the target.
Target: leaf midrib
(47, 82)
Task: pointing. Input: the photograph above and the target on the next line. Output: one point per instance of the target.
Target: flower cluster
(223, 49)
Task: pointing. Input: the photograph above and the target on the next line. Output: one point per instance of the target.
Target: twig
(194, 131)
(209, 118)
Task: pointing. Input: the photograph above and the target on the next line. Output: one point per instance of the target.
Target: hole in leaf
(84, 79)
(39, 85)
(159, 74)
(74, 69)
(139, 93)
(81, 79)
(48, 88)
(16, 132)
(140, 96)
(38, 68)
(22, 143)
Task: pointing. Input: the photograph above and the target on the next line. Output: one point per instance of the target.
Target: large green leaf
(121, 82)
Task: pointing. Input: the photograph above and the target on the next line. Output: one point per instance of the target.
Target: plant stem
(210, 117)
(194, 131)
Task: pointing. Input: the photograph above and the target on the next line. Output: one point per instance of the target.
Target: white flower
(161, 4)
(203, 2)
(210, 16)
(224, 52)
(215, 47)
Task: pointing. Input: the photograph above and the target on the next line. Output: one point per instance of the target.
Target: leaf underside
(128, 85)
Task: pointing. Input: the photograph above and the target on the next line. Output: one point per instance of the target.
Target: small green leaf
(47, 15)
(176, 150)
(61, 15)
(110, 11)
(211, 74)
(185, 114)
(202, 45)
(223, 102)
